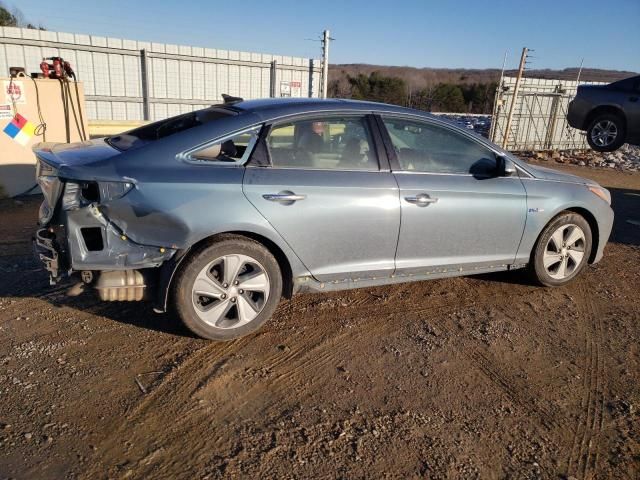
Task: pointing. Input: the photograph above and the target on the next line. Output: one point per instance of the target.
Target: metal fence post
(144, 64)
(311, 67)
(274, 73)
(553, 120)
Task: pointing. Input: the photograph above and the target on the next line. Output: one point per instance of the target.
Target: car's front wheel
(606, 133)
(562, 250)
(228, 289)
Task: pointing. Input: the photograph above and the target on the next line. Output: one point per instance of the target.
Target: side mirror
(505, 167)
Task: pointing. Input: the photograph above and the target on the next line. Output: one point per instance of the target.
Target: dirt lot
(485, 377)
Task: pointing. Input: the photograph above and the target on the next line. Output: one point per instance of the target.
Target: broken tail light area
(51, 186)
(82, 194)
(78, 236)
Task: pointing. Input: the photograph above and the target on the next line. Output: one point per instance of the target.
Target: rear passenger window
(424, 147)
(235, 149)
(333, 143)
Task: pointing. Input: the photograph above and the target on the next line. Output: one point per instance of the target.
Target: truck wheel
(562, 250)
(228, 289)
(606, 133)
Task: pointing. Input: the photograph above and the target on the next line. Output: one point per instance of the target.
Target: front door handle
(284, 197)
(421, 200)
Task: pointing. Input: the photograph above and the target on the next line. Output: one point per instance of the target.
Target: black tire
(536, 266)
(620, 128)
(183, 293)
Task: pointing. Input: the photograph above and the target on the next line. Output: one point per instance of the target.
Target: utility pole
(516, 88)
(325, 62)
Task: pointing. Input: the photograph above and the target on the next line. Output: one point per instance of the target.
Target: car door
(324, 192)
(457, 214)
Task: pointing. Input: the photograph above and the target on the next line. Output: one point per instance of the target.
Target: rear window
(138, 137)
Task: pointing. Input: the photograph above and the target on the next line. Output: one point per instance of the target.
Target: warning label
(290, 89)
(6, 111)
(14, 92)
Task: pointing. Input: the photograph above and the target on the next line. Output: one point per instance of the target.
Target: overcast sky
(466, 34)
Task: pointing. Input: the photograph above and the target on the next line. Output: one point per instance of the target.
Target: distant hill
(418, 78)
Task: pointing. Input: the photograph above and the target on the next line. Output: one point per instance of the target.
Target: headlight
(603, 193)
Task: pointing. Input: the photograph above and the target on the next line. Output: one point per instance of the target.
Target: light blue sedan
(223, 211)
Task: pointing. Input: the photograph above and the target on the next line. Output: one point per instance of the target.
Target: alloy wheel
(230, 291)
(564, 252)
(604, 133)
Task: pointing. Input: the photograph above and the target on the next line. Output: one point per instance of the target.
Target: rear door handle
(421, 200)
(284, 197)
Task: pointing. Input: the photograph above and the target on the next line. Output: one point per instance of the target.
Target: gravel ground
(474, 377)
(626, 158)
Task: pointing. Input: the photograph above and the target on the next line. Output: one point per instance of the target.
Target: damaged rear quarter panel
(175, 204)
(177, 213)
(171, 200)
(118, 253)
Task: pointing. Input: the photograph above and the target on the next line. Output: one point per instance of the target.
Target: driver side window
(424, 147)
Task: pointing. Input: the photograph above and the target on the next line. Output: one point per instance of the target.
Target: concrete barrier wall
(133, 80)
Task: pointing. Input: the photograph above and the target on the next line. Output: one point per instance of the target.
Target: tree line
(14, 18)
(440, 97)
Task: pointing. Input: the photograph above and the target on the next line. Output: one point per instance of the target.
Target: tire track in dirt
(311, 360)
(506, 383)
(597, 419)
(197, 389)
(584, 453)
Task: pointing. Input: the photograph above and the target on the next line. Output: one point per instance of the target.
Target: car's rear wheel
(562, 250)
(228, 289)
(606, 133)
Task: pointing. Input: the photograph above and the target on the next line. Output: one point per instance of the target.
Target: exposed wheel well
(281, 258)
(604, 109)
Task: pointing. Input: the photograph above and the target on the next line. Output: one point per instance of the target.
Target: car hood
(545, 173)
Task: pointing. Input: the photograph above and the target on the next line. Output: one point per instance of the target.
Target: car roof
(271, 108)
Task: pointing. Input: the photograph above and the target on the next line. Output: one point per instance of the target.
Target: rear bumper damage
(85, 240)
(46, 249)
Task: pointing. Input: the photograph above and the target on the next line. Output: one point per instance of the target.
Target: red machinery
(59, 68)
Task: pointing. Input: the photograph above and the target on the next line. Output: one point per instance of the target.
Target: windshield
(151, 132)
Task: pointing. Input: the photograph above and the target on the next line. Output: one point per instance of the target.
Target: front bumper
(605, 226)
